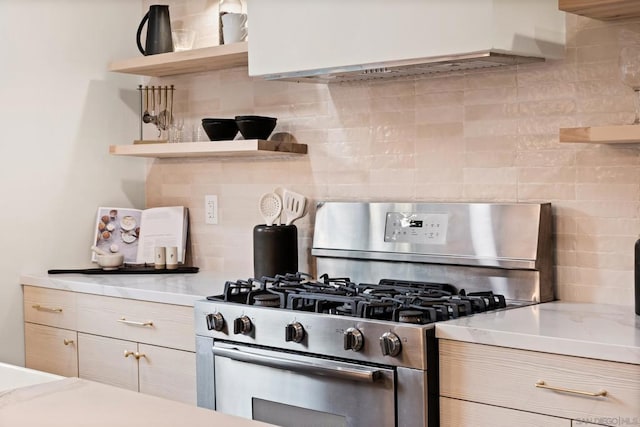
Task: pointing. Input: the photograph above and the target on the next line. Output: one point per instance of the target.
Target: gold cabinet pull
(148, 323)
(67, 342)
(135, 354)
(48, 309)
(601, 393)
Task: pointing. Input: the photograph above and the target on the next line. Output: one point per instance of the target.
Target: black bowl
(256, 127)
(220, 129)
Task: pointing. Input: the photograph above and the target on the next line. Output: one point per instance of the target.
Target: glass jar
(227, 6)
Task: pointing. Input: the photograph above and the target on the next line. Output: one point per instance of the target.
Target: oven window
(294, 416)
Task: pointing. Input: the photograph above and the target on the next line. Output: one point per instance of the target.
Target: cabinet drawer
(460, 413)
(507, 377)
(50, 307)
(147, 322)
(51, 349)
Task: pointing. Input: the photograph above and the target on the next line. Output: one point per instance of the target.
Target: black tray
(133, 269)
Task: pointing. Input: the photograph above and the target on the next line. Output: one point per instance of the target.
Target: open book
(135, 232)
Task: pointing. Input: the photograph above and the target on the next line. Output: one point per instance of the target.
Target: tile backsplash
(478, 136)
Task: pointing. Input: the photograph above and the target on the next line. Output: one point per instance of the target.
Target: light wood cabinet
(50, 307)
(150, 369)
(51, 349)
(167, 373)
(137, 345)
(141, 321)
(103, 360)
(454, 412)
(559, 386)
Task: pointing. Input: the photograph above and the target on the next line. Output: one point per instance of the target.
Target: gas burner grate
(389, 299)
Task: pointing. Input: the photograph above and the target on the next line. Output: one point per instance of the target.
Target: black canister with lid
(275, 250)
(637, 275)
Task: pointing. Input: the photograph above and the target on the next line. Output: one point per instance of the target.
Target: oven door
(292, 390)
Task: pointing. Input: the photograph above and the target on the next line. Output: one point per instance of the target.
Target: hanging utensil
(171, 108)
(153, 105)
(162, 116)
(293, 206)
(156, 117)
(146, 117)
(270, 207)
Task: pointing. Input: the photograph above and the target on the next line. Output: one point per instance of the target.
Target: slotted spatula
(293, 206)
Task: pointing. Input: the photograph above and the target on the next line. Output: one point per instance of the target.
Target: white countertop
(12, 376)
(596, 331)
(74, 402)
(179, 289)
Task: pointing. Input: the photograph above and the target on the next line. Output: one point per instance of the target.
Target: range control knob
(294, 332)
(353, 339)
(390, 344)
(215, 321)
(242, 325)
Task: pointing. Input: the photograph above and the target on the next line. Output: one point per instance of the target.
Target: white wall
(59, 111)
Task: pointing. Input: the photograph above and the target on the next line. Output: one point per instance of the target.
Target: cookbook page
(163, 226)
(117, 231)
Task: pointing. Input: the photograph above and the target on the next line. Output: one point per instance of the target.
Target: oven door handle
(340, 372)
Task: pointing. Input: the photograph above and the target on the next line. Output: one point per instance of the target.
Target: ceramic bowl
(220, 129)
(110, 261)
(256, 127)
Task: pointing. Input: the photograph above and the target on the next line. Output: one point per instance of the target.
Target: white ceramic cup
(234, 27)
(172, 257)
(159, 257)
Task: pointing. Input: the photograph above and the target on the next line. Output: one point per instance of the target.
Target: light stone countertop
(74, 402)
(597, 331)
(178, 289)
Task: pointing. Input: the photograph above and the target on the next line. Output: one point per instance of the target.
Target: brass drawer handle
(48, 309)
(542, 384)
(67, 342)
(148, 323)
(135, 354)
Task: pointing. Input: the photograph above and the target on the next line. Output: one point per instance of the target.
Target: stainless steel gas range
(355, 345)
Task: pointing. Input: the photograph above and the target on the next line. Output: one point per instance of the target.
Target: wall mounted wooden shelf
(602, 9)
(188, 61)
(239, 148)
(624, 134)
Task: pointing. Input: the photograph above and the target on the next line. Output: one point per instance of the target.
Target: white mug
(234, 27)
(172, 257)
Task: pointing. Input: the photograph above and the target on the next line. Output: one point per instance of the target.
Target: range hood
(326, 41)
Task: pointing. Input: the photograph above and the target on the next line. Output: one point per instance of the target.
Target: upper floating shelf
(602, 9)
(625, 134)
(188, 61)
(236, 148)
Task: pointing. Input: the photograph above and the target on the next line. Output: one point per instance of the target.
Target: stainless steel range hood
(406, 68)
(339, 41)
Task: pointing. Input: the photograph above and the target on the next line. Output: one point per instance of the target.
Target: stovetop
(389, 299)
(389, 322)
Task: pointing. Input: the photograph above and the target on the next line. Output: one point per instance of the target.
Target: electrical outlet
(211, 209)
